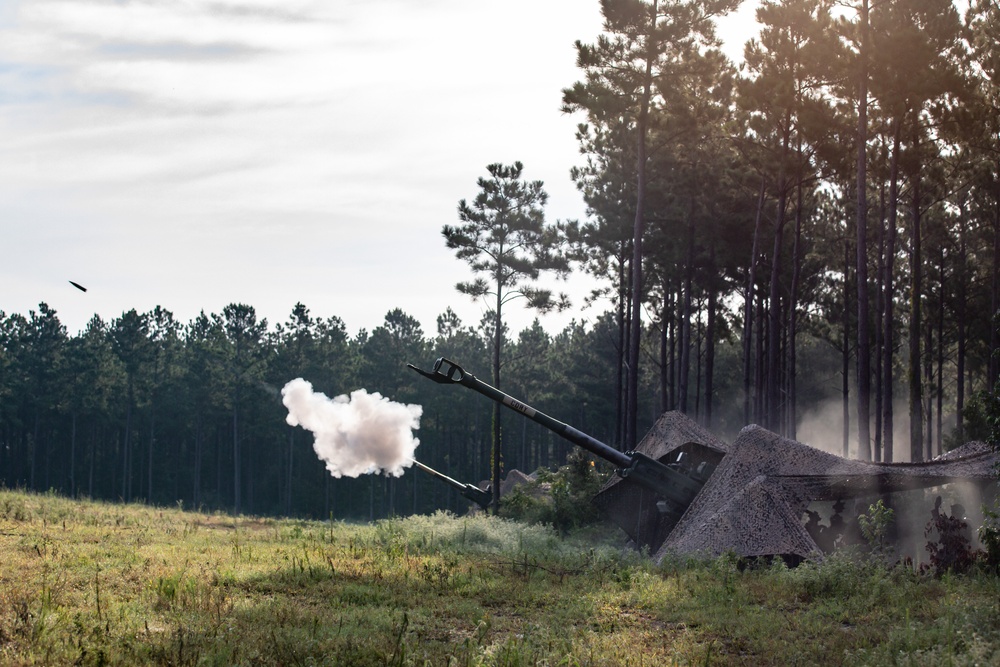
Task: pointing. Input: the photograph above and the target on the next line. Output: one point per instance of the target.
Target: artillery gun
(674, 484)
(758, 490)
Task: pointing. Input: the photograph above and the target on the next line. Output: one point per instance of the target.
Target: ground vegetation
(126, 584)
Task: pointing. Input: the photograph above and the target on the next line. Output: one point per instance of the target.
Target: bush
(569, 501)
(981, 418)
(528, 503)
(875, 527)
(952, 552)
(989, 536)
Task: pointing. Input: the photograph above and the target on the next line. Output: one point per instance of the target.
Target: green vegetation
(875, 526)
(560, 498)
(97, 584)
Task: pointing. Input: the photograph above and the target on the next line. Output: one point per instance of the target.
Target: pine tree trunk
(710, 339)
(196, 494)
(497, 442)
(664, 360)
(237, 459)
(672, 351)
(748, 303)
(774, 328)
(793, 301)
(929, 383)
(621, 311)
(92, 454)
(846, 352)
(887, 297)
(149, 452)
(638, 231)
(761, 361)
(960, 313)
(913, 373)
(72, 458)
(288, 479)
(684, 380)
(994, 357)
(699, 336)
(878, 328)
(940, 356)
(863, 330)
(127, 449)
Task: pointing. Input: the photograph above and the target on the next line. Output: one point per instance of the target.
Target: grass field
(99, 584)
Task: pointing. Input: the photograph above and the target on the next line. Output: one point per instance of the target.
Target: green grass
(98, 584)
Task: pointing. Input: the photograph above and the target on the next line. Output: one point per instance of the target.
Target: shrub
(875, 527)
(981, 418)
(568, 504)
(989, 536)
(952, 552)
(527, 503)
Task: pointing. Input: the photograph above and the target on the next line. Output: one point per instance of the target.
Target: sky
(190, 154)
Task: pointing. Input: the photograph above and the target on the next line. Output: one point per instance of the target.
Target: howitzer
(675, 484)
(474, 493)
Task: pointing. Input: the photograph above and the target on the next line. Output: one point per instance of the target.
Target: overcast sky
(196, 153)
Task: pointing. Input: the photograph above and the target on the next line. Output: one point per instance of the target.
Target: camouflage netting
(755, 501)
(514, 479)
(633, 508)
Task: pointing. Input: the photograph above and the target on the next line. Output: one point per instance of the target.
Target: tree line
(147, 408)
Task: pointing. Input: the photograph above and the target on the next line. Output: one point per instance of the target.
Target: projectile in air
(78, 286)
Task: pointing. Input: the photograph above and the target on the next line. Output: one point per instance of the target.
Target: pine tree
(504, 238)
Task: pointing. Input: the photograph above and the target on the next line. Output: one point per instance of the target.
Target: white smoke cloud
(355, 435)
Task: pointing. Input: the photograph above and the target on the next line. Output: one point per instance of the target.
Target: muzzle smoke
(357, 434)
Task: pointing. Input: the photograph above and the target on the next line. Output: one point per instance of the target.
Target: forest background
(816, 230)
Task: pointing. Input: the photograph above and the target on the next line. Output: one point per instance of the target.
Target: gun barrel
(440, 475)
(448, 372)
(470, 491)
